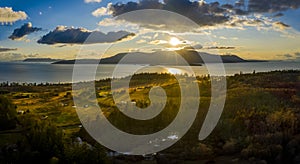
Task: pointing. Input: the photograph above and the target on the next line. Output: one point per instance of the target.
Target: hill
(179, 57)
(41, 60)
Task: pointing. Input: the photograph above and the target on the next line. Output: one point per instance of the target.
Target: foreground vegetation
(260, 122)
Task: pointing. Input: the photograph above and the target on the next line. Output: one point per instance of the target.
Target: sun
(174, 41)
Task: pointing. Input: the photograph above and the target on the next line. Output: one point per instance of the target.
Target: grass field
(260, 121)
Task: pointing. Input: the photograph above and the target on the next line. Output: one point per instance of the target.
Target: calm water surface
(45, 72)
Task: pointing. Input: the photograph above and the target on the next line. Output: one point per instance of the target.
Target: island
(189, 57)
(41, 60)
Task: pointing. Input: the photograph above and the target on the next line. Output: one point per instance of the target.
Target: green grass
(268, 101)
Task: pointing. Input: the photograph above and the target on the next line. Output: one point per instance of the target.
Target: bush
(46, 138)
(8, 114)
(84, 153)
(230, 147)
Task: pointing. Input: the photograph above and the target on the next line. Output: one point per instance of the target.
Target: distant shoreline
(179, 58)
(6, 83)
(41, 60)
(96, 61)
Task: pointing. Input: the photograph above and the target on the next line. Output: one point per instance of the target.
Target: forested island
(163, 58)
(260, 122)
(40, 60)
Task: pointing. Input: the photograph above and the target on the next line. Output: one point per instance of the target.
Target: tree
(8, 114)
(46, 138)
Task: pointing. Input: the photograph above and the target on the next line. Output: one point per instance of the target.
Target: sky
(251, 29)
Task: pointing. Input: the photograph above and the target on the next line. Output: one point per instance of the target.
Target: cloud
(72, 35)
(288, 56)
(197, 46)
(221, 48)
(8, 16)
(61, 46)
(207, 15)
(141, 41)
(203, 14)
(31, 56)
(258, 21)
(92, 1)
(278, 15)
(281, 25)
(149, 37)
(194, 47)
(23, 31)
(295, 56)
(11, 56)
(7, 49)
(271, 6)
(112, 22)
(159, 42)
(102, 11)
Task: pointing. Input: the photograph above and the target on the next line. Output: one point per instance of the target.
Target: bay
(45, 72)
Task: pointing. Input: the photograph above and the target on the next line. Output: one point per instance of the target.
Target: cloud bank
(221, 48)
(7, 49)
(209, 15)
(294, 56)
(23, 31)
(271, 6)
(72, 35)
(203, 14)
(11, 56)
(8, 16)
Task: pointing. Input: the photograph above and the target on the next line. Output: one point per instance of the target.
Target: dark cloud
(227, 6)
(295, 56)
(264, 6)
(221, 48)
(281, 25)
(278, 15)
(288, 56)
(23, 30)
(61, 46)
(203, 14)
(240, 12)
(272, 6)
(199, 46)
(7, 49)
(80, 35)
(194, 47)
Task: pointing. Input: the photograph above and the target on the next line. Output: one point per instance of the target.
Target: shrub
(8, 114)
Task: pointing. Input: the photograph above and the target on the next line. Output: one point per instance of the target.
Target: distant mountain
(40, 60)
(180, 57)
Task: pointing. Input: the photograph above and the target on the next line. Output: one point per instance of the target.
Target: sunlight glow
(174, 41)
(174, 71)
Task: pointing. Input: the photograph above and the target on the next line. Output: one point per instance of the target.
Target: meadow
(260, 122)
